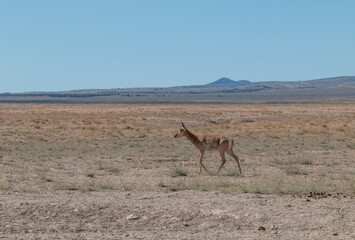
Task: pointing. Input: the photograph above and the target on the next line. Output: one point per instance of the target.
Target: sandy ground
(176, 215)
(112, 172)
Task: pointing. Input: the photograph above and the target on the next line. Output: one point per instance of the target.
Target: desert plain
(116, 172)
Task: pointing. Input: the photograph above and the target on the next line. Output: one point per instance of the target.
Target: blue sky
(64, 45)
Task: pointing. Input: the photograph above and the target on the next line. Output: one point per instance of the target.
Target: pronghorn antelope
(208, 142)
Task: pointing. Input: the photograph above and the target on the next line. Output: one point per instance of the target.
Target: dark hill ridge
(324, 82)
(223, 90)
(228, 81)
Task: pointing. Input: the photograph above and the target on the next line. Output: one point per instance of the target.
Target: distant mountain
(228, 81)
(223, 90)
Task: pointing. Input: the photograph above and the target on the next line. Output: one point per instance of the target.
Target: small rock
(274, 227)
(308, 200)
(142, 135)
(213, 122)
(247, 120)
(186, 224)
(132, 217)
(335, 234)
(261, 228)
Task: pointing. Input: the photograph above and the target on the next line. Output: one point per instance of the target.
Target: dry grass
(285, 149)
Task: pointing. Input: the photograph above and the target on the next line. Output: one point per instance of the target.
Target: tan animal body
(209, 142)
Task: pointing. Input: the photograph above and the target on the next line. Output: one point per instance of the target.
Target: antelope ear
(183, 125)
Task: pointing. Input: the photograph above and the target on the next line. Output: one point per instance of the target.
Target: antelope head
(182, 132)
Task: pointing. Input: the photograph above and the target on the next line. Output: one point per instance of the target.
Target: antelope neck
(192, 137)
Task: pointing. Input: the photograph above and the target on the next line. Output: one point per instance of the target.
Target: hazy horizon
(72, 45)
(79, 89)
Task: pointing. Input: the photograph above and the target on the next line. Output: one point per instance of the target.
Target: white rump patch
(230, 140)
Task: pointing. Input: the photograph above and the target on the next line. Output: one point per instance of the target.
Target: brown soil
(179, 215)
(115, 172)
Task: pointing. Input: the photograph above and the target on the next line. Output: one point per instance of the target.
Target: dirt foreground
(178, 215)
(116, 172)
